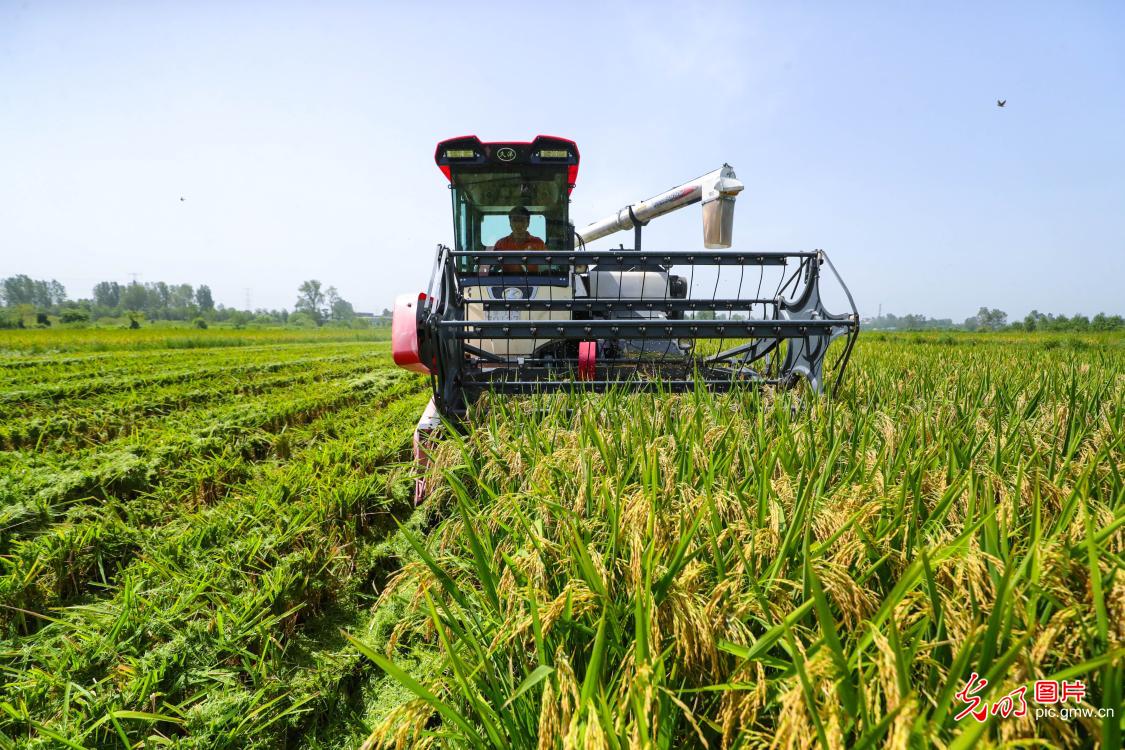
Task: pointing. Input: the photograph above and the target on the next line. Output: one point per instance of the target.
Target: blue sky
(301, 137)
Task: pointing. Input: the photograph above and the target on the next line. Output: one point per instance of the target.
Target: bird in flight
(999, 103)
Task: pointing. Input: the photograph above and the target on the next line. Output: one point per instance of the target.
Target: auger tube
(720, 184)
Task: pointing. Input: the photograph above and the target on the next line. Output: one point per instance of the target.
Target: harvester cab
(509, 198)
(519, 305)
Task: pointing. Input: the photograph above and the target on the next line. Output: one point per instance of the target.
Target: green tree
(134, 297)
(914, 322)
(182, 298)
(203, 298)
(107, 294)
(16, 290)
(24, 290)
(990, 320)
(339, 309)
(302, 319)
(160, 295)
(239, 318)
(1103, 322)
(57, 292)
(311, 299)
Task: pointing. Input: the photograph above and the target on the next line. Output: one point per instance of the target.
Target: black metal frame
(644, 342)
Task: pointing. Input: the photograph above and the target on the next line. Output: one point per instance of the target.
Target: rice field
(210, 541)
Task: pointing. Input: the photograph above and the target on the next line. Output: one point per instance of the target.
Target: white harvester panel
(497, 292)
(617, 285)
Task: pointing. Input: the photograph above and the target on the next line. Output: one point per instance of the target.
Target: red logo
(1014, 704)
(968, 694)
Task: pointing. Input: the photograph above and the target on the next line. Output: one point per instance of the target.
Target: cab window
(494, 227)
(483, 198)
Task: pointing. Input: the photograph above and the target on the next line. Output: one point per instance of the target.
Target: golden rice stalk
(738, 709)
(402, 728)
(794, 726)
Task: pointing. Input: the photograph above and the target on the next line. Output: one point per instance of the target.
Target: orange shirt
(510, 243)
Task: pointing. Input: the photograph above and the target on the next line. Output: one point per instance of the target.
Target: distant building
(378, 320)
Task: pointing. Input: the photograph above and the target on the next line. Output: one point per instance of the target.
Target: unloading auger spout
(717, 190)
(519, 305)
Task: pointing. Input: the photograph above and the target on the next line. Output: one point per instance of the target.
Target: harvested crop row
(82, 424)
(84, 388)
(38, 489)
(146, 374)
(88, 546)
(23, 371)
(49, 343)
(199, 628)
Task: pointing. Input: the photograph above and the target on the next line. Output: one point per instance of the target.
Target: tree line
(26, 301)
(986, 319)
(993, 319)
(29, 302)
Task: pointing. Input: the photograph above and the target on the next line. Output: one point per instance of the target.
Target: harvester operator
(520, 239)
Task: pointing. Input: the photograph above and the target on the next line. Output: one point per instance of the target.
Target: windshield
(483, 204)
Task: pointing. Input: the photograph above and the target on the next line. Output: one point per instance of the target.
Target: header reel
(639, 320)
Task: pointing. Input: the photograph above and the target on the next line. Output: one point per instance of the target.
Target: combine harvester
(518, 305)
